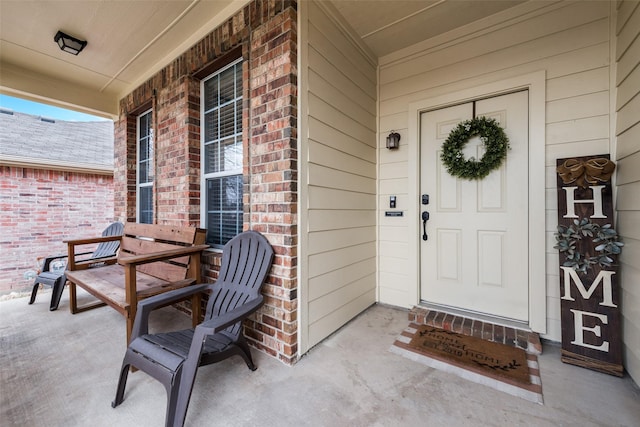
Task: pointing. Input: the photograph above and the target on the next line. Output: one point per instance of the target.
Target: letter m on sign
(570, 275)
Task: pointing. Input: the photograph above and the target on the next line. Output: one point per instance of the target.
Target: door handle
(425, 218)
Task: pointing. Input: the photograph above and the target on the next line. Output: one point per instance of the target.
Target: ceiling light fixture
(68, 43)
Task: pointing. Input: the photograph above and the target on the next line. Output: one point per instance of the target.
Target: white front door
(476, 255)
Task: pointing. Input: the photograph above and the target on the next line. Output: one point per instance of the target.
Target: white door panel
(476, 254)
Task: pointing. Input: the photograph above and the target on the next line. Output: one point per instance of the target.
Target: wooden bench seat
(152, 259)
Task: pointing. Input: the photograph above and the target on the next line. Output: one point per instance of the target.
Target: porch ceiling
(130, 40)
(386, 26)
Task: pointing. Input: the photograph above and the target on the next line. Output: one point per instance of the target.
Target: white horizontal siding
(628, 176)
(338, 176)
(570, 41)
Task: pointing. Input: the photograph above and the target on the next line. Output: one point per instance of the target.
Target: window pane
(227, 85)
(146, 205)
(211, 158)
(238, 73)
(213, 195)
(143, 149)
(232, 193)
(231, 226)
(214, 236)
(144, 125)
(211, 126)
(232, 154)
(239, 115)
(227, 120)
(211, 93)
(224, 209)
(143, 176)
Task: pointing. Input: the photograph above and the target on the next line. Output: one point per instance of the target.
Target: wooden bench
(152, 259)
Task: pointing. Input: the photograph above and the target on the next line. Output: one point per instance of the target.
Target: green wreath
(492, 136)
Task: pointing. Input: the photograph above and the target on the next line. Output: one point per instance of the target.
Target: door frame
(535, 83)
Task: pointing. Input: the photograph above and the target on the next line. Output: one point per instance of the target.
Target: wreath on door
(493, 138)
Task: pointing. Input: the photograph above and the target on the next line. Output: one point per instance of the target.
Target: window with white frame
(221, 154)
(145, 169)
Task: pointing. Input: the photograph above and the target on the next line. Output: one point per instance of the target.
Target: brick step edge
(520, 338)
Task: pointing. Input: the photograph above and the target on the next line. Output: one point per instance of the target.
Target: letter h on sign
(596, 201)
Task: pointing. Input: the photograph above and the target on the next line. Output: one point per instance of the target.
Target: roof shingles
(28, 136)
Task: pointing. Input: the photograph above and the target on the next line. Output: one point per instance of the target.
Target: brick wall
(40, 209)
(264, 34)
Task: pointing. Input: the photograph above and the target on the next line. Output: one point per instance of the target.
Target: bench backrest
(144, 239)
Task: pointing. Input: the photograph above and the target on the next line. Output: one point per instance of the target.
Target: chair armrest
(219, 323)
(156, 301)
(47, 261)
(161, 256)
(91, 262)
(147, 305)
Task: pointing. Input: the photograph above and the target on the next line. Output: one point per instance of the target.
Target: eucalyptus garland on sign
(492, 136)
(568, 241)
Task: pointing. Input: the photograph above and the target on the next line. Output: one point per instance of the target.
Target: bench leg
(131, 317)
(130, 321)
(73, 304)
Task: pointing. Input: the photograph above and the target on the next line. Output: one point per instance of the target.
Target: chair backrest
(246, 261)
(106, 249)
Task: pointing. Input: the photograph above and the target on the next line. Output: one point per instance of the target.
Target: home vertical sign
(589, 291)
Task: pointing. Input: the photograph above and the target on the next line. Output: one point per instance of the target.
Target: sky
(37, 109)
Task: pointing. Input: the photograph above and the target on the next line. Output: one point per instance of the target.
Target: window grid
(145, 168)
(222, 208)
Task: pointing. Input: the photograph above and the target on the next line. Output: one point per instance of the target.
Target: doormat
(504, 368)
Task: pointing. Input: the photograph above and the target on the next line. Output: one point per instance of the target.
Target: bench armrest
(161, 256)
(78, 242)
(71, 249)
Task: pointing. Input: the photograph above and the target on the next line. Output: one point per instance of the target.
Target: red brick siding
(272, 169)
(40, 209)
(265, 33)
(177, 154)
(124, 178)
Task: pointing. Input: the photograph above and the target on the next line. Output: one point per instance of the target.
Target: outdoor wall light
(68, 43)
(393, 140)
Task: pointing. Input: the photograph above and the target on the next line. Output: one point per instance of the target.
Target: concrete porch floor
(61, 370)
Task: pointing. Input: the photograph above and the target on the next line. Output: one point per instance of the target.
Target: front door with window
(476, 255)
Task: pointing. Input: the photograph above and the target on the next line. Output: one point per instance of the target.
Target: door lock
(425, 218)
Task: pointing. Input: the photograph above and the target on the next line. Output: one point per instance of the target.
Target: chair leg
(172, 387)
(245, 352)
(36, 285)
(122, 383)
(56, 294)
